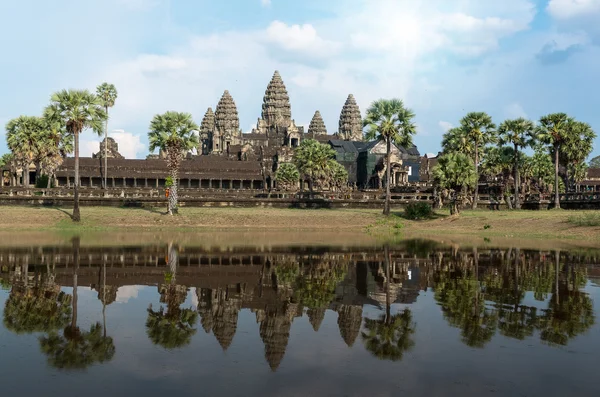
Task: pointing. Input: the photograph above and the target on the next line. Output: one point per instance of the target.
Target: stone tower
(276, 109)
(227, 124)
(207, 129)
(350, 128)
(317, 126)
(112, 152)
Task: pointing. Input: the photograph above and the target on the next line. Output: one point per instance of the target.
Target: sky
(443, 58)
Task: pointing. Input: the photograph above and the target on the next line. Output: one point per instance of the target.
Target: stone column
(189, 183)
(220, 183)
(157, 183)
(145, 182)
(134, 182)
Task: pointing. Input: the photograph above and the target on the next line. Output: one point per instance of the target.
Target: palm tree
(553, 130)
(577, 147)
(388, 337)
(108, 95)
(76, 110)
(55, 144)
(456, 173)
(455, 140)
(519, 133)
(22, 138)
(314, 161)
(480, 130)
(389, 120)
(172, 132)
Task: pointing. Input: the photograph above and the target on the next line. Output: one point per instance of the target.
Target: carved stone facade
(317, 126)
(276, 109)
(113, 150)
(350, 126)
(207, 129)
(227, 125)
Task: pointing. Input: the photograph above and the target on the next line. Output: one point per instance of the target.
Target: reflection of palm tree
(388, 337)
(75, 349)
(174, 327)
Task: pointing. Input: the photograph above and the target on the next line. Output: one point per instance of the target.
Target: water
(293, 321)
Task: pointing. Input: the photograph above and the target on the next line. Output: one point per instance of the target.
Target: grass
(585, 219)
(305, 225)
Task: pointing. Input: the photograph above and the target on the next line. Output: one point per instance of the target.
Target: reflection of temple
(281, 285)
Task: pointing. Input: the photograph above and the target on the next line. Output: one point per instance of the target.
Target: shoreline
(309, 226)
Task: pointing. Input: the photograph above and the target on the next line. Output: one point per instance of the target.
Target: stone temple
(227, 158)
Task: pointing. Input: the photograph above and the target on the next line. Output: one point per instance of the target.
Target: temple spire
(317, 125)
(207, 129)
(227, 120)
(350, 127)
(276, 109)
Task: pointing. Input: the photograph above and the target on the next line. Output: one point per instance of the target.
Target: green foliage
(585, 219)
(173, 131)
(41, 182)
(456, 173)
(518, 132)
(418, 211)
(389, 336)
(168, 181)
(456, 140)
(77, 350)
(390, 119)
(487, 226)
(37, 311)
(594, 163)
(107, 94)
(313, 160)
(171, 329)
(316, 287)
(498, 162)
(338, 176)
(5, 159)
(287, 176)
(76, 110)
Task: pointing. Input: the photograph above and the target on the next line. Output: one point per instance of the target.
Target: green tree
(577, 147)
(5, 159)
(480, 130)
(595, 162)
(389, 336)
(456, 173)
(55, 144)
(519, 133)
(108, 95)
(313, 161)
(553, 131)
(456, 140)
(23, 139)
(338, 176)
(287, 176)
(76, 111)
(173, 132)
(497, 166)
(389, 120)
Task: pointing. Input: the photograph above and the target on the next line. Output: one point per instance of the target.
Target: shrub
(41, 182)
(585, 219)
(418, 211)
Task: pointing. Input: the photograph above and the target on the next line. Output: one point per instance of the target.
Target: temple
(227, 158)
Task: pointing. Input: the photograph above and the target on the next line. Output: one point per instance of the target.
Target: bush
(41, 182)
(585, 219)
(418, 211)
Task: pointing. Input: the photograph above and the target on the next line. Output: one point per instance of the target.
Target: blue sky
(444, 58)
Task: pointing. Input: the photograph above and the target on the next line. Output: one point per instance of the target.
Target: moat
(415, 318)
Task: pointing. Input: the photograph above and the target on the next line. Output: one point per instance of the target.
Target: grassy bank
(249, 222)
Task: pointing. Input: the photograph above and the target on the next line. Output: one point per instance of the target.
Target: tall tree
(108, 95)
(577, 147)
(389, 120)
(553, 130)
(519, 133)
(455, 140)
(56, 145)
(173, 132)
(23, 139)
(76, 110)
(313, 160)
(497, 165)
(480, 130)
(595, 162)
(456, 173)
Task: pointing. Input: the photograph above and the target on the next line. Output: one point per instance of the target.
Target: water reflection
(518, 294)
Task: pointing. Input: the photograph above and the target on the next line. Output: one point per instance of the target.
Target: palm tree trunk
(387, 287)
(173, 191)
(49, 184)
(556, 195)
(517, 181)
(104, 296)
(76, 214)
(476, 193)
(386, 207)
(76, 243)
(557, 262)
(105, 146)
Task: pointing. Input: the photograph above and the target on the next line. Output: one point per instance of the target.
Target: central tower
(276, 109)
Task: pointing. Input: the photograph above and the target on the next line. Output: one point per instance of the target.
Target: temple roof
(226, 115)
(317, 125)
(276, 103)
(350, 125)
(208, 123)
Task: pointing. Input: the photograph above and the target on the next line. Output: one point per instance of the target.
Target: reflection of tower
(316, 316)
(275, 328)
(219, 311)
(349, 322)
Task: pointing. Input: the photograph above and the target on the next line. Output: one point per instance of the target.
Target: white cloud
(445, 125)
(300, 38)
(567, 9)
(130, 144)
(514, 111)
(265, 3)
(125, 293)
